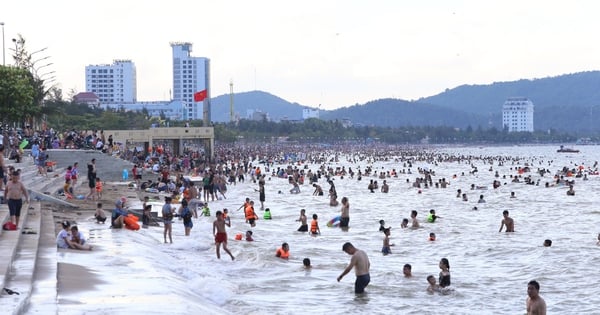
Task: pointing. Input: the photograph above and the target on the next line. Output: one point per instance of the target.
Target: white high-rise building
(190, 75)
(112, 83)
(517, 114)
(308, 112)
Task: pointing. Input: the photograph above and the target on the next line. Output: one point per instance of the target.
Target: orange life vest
(313, 226)
(282, 254)
(249, 212)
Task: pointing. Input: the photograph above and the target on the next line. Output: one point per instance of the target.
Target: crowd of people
(253, 163)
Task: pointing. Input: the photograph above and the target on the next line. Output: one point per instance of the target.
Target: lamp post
(3, 48)
(46, 65)
(38, 60)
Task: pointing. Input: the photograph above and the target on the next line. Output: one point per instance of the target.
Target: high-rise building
(517, 114)
(191, 75)
(112, 83)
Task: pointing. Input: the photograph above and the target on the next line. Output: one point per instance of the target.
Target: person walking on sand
(220, 235)
(13, 194)
(91, 175)
(508, 222)
(74, 176)
(360, 263)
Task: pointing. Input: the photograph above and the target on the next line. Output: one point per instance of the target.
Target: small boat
(567, 150)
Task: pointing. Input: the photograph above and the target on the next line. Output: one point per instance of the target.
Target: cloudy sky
(333, 53)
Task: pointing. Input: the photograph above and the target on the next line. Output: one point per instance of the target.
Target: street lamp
(46, 65)
(46, 74)
(37, 51)
(3, 48)
(38, 60)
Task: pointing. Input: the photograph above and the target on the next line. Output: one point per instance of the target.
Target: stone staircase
(29, 264)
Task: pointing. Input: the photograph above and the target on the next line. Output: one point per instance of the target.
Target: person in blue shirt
(118, 215)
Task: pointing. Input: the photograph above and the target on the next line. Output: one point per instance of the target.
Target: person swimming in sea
(386, 249)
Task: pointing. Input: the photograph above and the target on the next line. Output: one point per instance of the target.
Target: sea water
(490, 269)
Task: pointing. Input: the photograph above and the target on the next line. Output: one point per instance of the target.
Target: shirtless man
(318, 190)
(345, 215)
(508, 221)
(360, 263)
(13, 194)
(535, 303)
(302, 219)
(413, 216)
(220, 235)
(385, 188)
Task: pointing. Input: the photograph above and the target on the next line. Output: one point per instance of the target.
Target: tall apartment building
(113, 83)
(517, 114)
(191, 75)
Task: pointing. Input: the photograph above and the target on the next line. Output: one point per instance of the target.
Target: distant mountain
(276, 107)
(568, 103)
(570, 90)
(396, 113)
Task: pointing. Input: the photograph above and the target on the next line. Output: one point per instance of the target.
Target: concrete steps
(43, 299)
(29, 263)
(18, 276)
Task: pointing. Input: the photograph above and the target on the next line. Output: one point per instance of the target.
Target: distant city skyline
(328, 53)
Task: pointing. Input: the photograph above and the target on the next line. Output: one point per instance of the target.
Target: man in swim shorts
(360, 263)
(220, 235)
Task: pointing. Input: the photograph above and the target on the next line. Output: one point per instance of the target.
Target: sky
(326, 53)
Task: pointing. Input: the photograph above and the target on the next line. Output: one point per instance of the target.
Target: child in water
(306, 263)
(386, 250)
(206, 210)
(100, 215)
(433, 286)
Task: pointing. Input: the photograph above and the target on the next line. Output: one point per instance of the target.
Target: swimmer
(386, 250)
(547, 243)
(381, 225)
(407, 271)
(431, 237)
(415, 222)
(508, 222)
(433, 286)
(444, 273)
(302, 219)
(306, 263)
(535, 303)
(404, 223)
(249, 236)
(431, 217)
(283, 252)
(598, 243)
(314, 225)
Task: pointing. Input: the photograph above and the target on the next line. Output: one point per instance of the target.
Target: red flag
(200, 96)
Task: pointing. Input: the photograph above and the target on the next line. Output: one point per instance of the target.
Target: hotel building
(517, 114)
(115, 83)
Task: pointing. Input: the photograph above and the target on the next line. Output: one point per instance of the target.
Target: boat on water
(566, 150)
